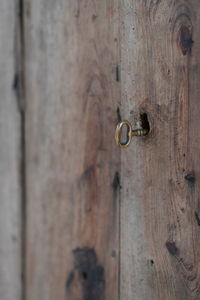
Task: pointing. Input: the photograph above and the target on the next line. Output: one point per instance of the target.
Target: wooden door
(82, 219)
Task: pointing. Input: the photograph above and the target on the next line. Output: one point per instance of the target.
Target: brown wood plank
(160, 233)
(10, 156)
(72, 165)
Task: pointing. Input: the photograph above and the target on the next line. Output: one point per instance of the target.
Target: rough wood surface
(160, 211)
(10, 156)
(72, 163)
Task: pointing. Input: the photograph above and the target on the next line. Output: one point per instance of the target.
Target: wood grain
(160, 177)
(72, 163)
(10, 155)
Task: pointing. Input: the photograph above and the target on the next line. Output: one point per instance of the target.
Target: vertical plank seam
(19, 81)
(119, 55)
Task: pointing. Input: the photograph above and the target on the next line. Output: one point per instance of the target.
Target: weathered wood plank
(72, 162)
(10, 157)
(160, 238)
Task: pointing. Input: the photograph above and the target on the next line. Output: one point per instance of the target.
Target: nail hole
(84, 275)
(152, 262)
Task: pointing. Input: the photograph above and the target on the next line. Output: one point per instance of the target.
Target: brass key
(130, 133)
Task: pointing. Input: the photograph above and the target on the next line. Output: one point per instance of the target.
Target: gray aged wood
(10, 157)
(88, 221)
(160, 233)
(72, 162)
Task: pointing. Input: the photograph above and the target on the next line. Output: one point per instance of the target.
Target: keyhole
(144, 122)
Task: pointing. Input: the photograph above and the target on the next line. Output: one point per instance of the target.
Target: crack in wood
(116, 182)
(118, 114)
(197, 218)
(117, 73)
